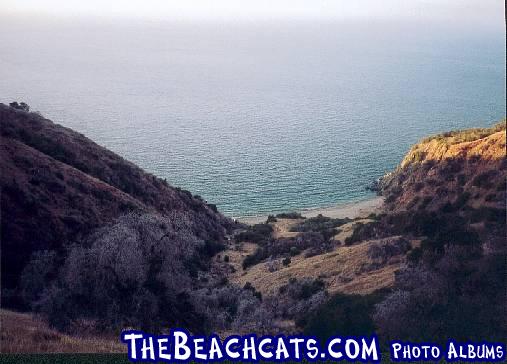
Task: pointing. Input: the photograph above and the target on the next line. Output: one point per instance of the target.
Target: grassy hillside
(24, 333)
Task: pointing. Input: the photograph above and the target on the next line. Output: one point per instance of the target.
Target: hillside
(344, 269)
(451, 170)
(58, 186)
(25, 333)
(92, 244)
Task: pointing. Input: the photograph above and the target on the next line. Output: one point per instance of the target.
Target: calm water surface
(257, 118)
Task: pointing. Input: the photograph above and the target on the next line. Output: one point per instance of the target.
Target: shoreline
(351, 210)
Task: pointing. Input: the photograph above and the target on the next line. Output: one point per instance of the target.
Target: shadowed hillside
(57, 186)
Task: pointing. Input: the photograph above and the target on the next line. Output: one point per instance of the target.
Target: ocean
(257, 117)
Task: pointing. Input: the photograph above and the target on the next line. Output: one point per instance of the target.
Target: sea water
(257, 117)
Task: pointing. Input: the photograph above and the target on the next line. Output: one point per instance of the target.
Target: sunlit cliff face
(451, 171)
(486, 144)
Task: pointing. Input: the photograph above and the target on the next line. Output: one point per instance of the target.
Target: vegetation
(61, 186)
(20, 106)
(362, 231)
(484, 180)
(93, 243)
(467, 135)
(343, 314)
(271, 218)
(290, 215)
(24, 333)
(321, 224)
(258, 233)
(460, 295)
(286, 247)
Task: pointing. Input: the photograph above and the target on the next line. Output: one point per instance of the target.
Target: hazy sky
(476, 11)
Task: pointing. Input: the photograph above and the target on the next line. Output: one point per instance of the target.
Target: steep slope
(451, 171)
(57, 185)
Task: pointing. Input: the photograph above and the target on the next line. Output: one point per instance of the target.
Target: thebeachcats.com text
(180, 346)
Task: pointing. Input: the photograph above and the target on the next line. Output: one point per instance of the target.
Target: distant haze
(484, 12)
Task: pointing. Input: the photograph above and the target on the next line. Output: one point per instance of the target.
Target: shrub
(271, 218)
(484, 180)
(425, 202)
(286, 261)
(460, 296)
(294, 251)
(362, 231)
(501, 186)
(230, 307)
(258, 234)
(490, 197)
(127, 274)
(381, 252)
(468, 135)
(414, 255)
(413, 202)
(321, 224)
(248, 286)
(38, 274)
(418, 186)
(461, 179)
(297, 298)
(21, 106)
(461, 200)
(350, 314)
(258, 256)
(290, 215)
(489, 214)
(213, 207)
(282, 247)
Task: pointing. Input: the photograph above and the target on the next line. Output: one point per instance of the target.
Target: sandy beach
(351, 210)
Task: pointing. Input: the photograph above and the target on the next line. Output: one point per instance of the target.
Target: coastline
(351, 210)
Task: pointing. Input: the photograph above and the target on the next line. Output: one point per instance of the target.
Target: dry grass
(281, 228)
(341, 270)
(24, 333)
(490, 148)
(466, 135)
